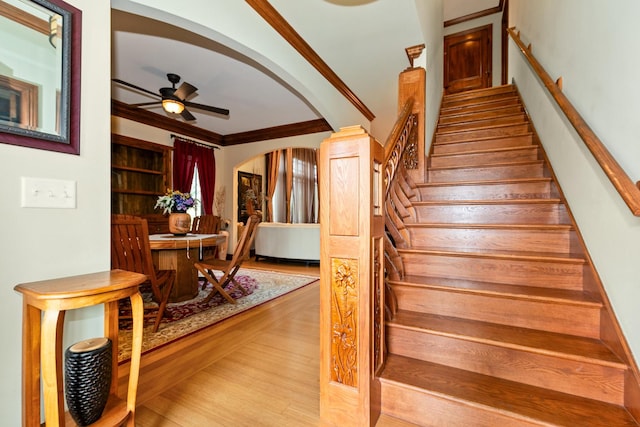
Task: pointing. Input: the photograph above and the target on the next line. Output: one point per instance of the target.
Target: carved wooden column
(412, 83)
(351, 277)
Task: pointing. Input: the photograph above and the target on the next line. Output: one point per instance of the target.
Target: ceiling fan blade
(217, 110)
(184, 90)
(144, 104)
(122, 82)
(187, 115)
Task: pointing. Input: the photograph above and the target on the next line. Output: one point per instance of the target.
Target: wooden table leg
(181, 260)
(52, 386)
(30, 366)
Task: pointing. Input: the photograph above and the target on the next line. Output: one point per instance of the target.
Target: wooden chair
(130, 251)
(206, 224)
(229, 268)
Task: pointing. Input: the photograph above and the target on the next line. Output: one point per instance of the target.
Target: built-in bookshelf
(140, 172)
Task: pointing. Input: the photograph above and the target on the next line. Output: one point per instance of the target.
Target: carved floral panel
(344, 321)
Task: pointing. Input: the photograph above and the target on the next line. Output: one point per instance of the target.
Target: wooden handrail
(629, 191)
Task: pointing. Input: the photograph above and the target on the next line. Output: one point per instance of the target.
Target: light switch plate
(48, 193)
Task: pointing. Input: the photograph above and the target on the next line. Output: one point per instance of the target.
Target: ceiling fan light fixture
(172, 106)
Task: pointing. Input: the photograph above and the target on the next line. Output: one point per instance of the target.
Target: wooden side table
(44, 306)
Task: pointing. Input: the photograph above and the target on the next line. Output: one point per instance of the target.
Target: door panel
(467, 60)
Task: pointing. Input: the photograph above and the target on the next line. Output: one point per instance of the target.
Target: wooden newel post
(351, 277)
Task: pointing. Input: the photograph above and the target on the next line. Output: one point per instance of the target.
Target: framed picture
(249, 195)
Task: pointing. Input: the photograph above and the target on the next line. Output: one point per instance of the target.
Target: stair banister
(361, 181)
(629, 191)
(351, 277)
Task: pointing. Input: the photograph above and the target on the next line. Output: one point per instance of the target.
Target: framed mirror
(40, 74)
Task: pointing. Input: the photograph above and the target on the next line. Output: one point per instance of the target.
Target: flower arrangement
(175, 201)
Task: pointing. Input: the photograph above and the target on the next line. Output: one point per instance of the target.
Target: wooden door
(467, 60)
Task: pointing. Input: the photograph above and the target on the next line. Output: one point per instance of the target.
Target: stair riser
(479, 107)
(480, 115)
(433, 410)
(580, 320)
(479, 159)
(481, 123)
(493, 132)
(581, 378)
(521, 213)
(524, 272)
(475, 100)
(520, 190)
(503, 90)
(556, 241)
(487, 144)
(489, 173)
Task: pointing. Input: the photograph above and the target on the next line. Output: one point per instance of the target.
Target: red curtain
(206, 162)
(186, 155)
(184, 162)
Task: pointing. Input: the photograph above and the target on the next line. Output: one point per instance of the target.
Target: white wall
(40, 244)
(430, 14)
(236, 25)
(592, 45)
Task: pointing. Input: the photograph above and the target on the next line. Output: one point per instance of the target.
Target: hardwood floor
(262, 370)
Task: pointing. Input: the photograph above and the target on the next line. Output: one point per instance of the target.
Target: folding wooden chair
(229, 268)
(130, 251)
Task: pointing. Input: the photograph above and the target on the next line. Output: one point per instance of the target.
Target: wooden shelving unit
(140, 172)
(44, 306)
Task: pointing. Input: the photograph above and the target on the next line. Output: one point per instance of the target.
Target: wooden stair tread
(492, 165)
(511, 255)
(550, 343)
(548, 201)
(501, 89)
(523, 401)
(481, 122)
(483, 182)
(486, 105)
(546, 227)
(484, 138)
(494, 109)
(562, 296)
(489, 151)
(485, 127)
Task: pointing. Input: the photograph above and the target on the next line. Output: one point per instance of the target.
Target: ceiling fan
(174, 100)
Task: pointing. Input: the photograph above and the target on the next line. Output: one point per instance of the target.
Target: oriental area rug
(187, 317)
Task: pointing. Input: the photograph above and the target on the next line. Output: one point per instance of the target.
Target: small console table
(44, 306)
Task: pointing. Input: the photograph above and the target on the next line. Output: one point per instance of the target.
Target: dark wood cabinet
(140, 172)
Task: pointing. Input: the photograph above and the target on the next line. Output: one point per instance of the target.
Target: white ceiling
(360, 34)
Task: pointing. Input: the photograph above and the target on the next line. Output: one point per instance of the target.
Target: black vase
(87, 379)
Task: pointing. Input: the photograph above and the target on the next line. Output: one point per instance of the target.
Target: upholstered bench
(299, 242)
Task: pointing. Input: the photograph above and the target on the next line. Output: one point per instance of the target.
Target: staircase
(497, 324)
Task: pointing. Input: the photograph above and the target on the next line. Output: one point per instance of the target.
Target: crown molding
(126, 111)
(293, 129)
(140, 115)
(475, 15)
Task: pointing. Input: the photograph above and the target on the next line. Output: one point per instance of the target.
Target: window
(196, 193)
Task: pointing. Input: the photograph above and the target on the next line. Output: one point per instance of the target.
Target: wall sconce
(172, 106)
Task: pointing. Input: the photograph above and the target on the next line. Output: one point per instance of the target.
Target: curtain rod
(204, 144)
